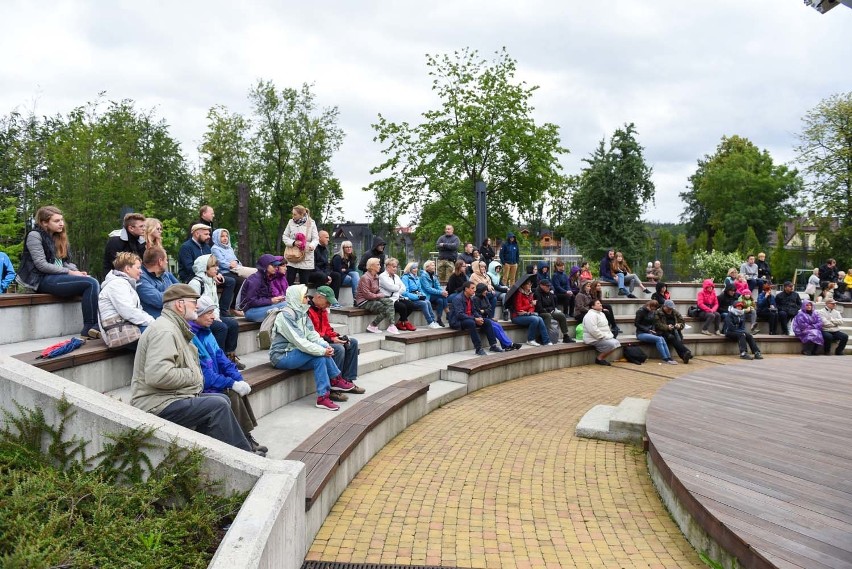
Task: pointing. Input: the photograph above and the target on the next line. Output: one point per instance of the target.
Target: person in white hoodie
(118, 294)
(597, 333)
(225, 329)
(393, 287)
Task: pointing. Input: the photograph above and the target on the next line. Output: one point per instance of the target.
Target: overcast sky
(686, 73)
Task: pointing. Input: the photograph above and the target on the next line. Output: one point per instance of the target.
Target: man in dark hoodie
(378, 251)
(546, 307)
(727, 298)
(130, 239)
(510, 256)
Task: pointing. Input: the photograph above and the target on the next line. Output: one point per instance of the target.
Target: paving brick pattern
(498, 480)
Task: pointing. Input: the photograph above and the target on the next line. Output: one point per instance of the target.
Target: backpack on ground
(61, 348)
(264, 335)
(635, 354)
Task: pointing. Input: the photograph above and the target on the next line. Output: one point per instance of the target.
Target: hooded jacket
(224, 253)
(204, 284)
(219, 372)
(706, 298)
(560, 282)
(808, 326)
(293, 329)
(430, 284)
(495, 276)
(412, 287)
(574, 279)
(727, 300)
(256, 291)
(373, 252)
(661, 296)
(118, 296)
(123, 242)
(509, 252)
(479, 275)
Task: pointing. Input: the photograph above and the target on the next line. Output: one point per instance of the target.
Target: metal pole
(481, 213)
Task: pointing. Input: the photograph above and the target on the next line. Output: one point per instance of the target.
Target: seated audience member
(827, 291)
(229, 265)
(193, 248)
(370, 297)
(487, 251)
(7, 272)
(736, 330)
(562, 288)
(662, 293)
(414, 293)
(832, 321)
(479, 275)
(376, 252)
(646, 331)
(167, 379)
(726, 299)
(828, 272)
(481, 307)
(708, 303)
(346, 264)
(257, 296)
(609, 314)
(153, 234)
(301, 232)
(813, 283)
(226, 330)
(523, 313)
(654, 273)
(118, 295)
(345, 348)
(323, 273)
(46, 267)
(764, 273)
(749, 309)
(767, 310)
(435, 293)
(789, 303)
(631, 280)
(597, 333)
(296, 345)
(844, 286)
(130, 239)
(731, 279)
(607, 275)
(464, 317)
(546, 307)
(392, 287)
(278, 280)
(220, 373)
(669, 324)
(807, 326)
(741, 284)
(585, 273)
(583, 300)
(458, 279)
(154, 280)
(751, 273)
(495, 273)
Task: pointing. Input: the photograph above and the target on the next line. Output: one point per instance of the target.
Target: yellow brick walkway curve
(498, 480)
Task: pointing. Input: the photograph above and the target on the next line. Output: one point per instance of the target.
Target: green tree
(11, 230)
(825, 153)
(781, 261)
(482, 131)
(750, 244)
(683, 258)
(737, 187)
(614, 189)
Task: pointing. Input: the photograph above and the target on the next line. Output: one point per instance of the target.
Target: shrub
(715, 264)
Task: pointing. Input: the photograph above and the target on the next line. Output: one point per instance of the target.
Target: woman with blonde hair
(153, 233)
(346, 263)
(118, 300)
(46, 267)
(414, 293)
(301, 232)
(631, 280)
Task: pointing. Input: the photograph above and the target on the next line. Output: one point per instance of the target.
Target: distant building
(800, 233)
(358, 233)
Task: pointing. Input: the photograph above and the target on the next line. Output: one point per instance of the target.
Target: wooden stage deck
(760, 454)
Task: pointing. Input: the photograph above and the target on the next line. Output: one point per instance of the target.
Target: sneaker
(93, 333)
(631, 295)
(745, 356)
(357, 389)
(374, 329)
(549, 344)
(622, 292)
(481, 352)
(401, 326)
(754, 327)
(409, 326)
(648, 291)
(719, 333)
(340, 384)
(337, 305)
(260, 453)
(441, 324)
(516, 346)
(758, 356)
(533, 343)
(434, 325)
(338, 396)
(392, 329)
(686, 357)
(707, 332)
(496, 348)
(602, 362)
(324, 402)
(256, 446)
(670, 362)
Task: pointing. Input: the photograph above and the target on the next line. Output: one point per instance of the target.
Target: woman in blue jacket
(414, 293)
(431, 287)
(7, 272)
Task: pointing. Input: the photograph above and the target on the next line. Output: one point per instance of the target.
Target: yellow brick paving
(498, 480)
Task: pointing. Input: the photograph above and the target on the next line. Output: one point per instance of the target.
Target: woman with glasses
(346, 263)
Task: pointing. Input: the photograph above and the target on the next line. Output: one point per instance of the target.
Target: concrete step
(442, 392)
(623, 423)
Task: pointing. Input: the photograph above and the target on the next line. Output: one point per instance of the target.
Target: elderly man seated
(167, 379)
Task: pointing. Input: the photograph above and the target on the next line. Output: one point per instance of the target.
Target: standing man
(510, 255)
(323, 273)
(828, 272)
(448, 252)
(167, 379)
(130, 239)
(205, 217)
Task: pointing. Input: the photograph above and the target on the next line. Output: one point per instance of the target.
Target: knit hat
(205, 304)
(669, 304)
(178, 291)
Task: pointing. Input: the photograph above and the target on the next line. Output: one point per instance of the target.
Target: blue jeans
(346, 359)
(70, 285)
(426, 308)
(226, 331)
(440, 305)
(351, 279)
(619, 280)
(535, 327)
(324, 368)
(258, 313)
(659, 341)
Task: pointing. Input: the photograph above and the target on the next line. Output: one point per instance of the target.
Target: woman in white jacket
(597, 333)
(118, 293)
(225, 329)
(393, 287)
(302, 232)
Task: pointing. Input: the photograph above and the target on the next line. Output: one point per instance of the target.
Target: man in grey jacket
(167, 379)
(448, 251)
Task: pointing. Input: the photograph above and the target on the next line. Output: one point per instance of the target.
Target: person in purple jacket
(257, 297)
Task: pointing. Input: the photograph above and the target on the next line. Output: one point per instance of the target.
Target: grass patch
(59, 508)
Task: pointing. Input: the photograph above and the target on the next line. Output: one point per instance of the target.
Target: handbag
(117, 332)
(292, 253)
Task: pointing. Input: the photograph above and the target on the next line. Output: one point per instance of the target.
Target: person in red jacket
(708, 303)
(345, 348)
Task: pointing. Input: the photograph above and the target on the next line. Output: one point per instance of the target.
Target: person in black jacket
(546, 307)
(130, 239)
(828, 272)
(788, 302)
(323, 273)
(486, 251)
(205, 217)
(727, 298)
(458, 279)
(378, 252)
(646, 331)
(669, 324)
(464, 317)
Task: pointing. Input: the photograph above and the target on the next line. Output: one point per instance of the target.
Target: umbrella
(507, 301)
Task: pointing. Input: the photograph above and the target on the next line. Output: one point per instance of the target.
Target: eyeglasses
(347, 246)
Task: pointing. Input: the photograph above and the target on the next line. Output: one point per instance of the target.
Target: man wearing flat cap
(167, 379)
(199, 244)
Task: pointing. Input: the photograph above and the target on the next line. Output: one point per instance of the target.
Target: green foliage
(683, 258)
(750, 245)
(59, 510)
(715, 264)
(737, 188)
(613, 191)
(482, 131)
(781, 261)
(11, 231)
(709, 561)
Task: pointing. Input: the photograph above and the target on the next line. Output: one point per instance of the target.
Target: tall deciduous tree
(482, 131)
(737, 187)
(614, 189)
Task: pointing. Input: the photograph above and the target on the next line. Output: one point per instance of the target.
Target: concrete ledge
(624, 423)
